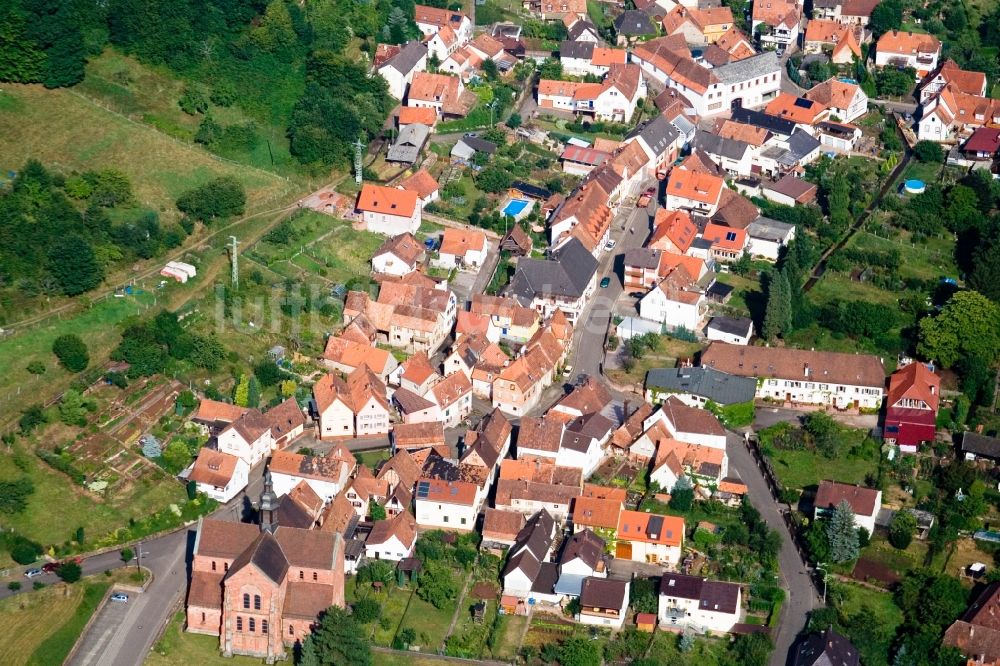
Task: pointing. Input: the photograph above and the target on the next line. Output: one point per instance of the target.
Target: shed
(645, 622)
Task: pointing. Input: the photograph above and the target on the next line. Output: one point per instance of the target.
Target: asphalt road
(800, 594)
(588, 339)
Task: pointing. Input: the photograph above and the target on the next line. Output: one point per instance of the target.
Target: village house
(951, 114)
(219, 475)
(369, 402)
(800, 376)
(500, 529)
(249, 437)
(453, 396)
(699, 26)
(975, 633)
(527, 574)
(516, 323)
(699, 603)
(419, 435)
(661, 141)
(392, 539)
(766, 237)
(448, 505)
(399, 69)
(677, 301)
(650, 538)
(388, 211)
(734, 330)
(841, 42)
(865, 502)
(908, 49)
(688, 424)
(703, 466)
(790, 190)
(365, 489)
(603, 602)
(693, 192)
(776, 22)
(562, 282)
(415, 374)
(260, 588)
(696, 386)
(598, 514)
(326, 475)
(912, 406)
(527, 486)
(445, 94)
(727, 243)
(826, 647)
(582, 557)
(423, 183)
(845, 12)
(948, 72)
(344, 355)
(462, 248)
(398, 255)
(580, 58)
(800, 110)
(733, 156)
(431, 20)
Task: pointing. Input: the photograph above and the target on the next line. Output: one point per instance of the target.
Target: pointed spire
(268, 505)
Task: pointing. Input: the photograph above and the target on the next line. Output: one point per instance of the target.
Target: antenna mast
(359, 147)
(234, 256)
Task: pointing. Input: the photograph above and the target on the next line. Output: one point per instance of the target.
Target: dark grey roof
(409, 401)
(603, 593)
(408, 144)
(593, 425)
(581, 27)
(658, 133)
(980, 445)
(585, 546)
(479, 145)
(293, 514)
(732, 325)
(545, 581)
(536, 535)
(712, 595)
(826, 649)
(567, 273)
(536, 191)
(574, 49)
(708, 383)
(781, 126)
(802, 143)
(713, 144)
(266, 554)
(642, 257)
(768, 229)
(748, 68)
(407, 58)
(353, 549)
(633, 23)
(526, 562)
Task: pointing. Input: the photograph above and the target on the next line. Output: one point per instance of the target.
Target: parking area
(108, 623)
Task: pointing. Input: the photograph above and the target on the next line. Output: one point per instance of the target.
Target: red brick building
(912, 405)
(260, 588)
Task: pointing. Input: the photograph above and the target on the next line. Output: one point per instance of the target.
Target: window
(246, 600)
(213, 565)
(239, 623)
(315, 575)
(446, 519)
(302, 574)
(291, 630)
(225, 566)
(253, 625)
(256, 602)
(263, 627)
(463, 521)
(203, 617)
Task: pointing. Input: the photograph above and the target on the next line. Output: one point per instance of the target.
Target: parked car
(646, 197)
(119, 596)
(605, 283)
(31, 573)
(610, 245)
(49, 567)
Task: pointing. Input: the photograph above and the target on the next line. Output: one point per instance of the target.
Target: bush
(71, 352)
(69, 572)
(928, 151)
(901, 529)
(14, 585)
(220, 197)
(36, 368)
(25, 552)
(366, 610)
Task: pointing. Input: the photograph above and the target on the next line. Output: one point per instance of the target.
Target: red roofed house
(693, 192)
(968, 82)
(728, 244)
(908, 49)
(912, 405)
(423, 183)
(984, 144)
(649, 537)
(865, 502)
(219, 475)
(462, 248)
(388, 211)
(673, 231)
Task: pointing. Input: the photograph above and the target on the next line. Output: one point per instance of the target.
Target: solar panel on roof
(802, 103)
(730, 235)
(423, 489)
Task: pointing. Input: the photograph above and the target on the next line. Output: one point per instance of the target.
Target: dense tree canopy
(336, 641)
(966, 326)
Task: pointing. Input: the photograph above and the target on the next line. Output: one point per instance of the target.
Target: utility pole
(234, 256)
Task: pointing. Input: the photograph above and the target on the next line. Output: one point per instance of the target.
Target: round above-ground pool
(517, 208)
(914, 186)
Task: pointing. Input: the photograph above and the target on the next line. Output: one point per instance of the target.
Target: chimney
(807, 370)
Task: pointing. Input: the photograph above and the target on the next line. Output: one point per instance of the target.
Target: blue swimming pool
(515, 207)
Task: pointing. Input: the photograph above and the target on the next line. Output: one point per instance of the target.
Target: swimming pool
(515, 207)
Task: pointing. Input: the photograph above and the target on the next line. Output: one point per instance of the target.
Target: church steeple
(268, 505)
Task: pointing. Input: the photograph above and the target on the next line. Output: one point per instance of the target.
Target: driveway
(769, 416)
(801, 596)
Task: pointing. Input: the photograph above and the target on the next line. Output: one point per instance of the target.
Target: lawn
(371, 459)
(64, 628)
(63, 133)
(56, 495)
(179, 647)
(878, 606)
(706, 651)
(665, 356)
(508, 644)
(925, 171)
(97, 325)
(22, 617)
(881, 551)
(430, 623)
(926, 260)
(805, 468)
